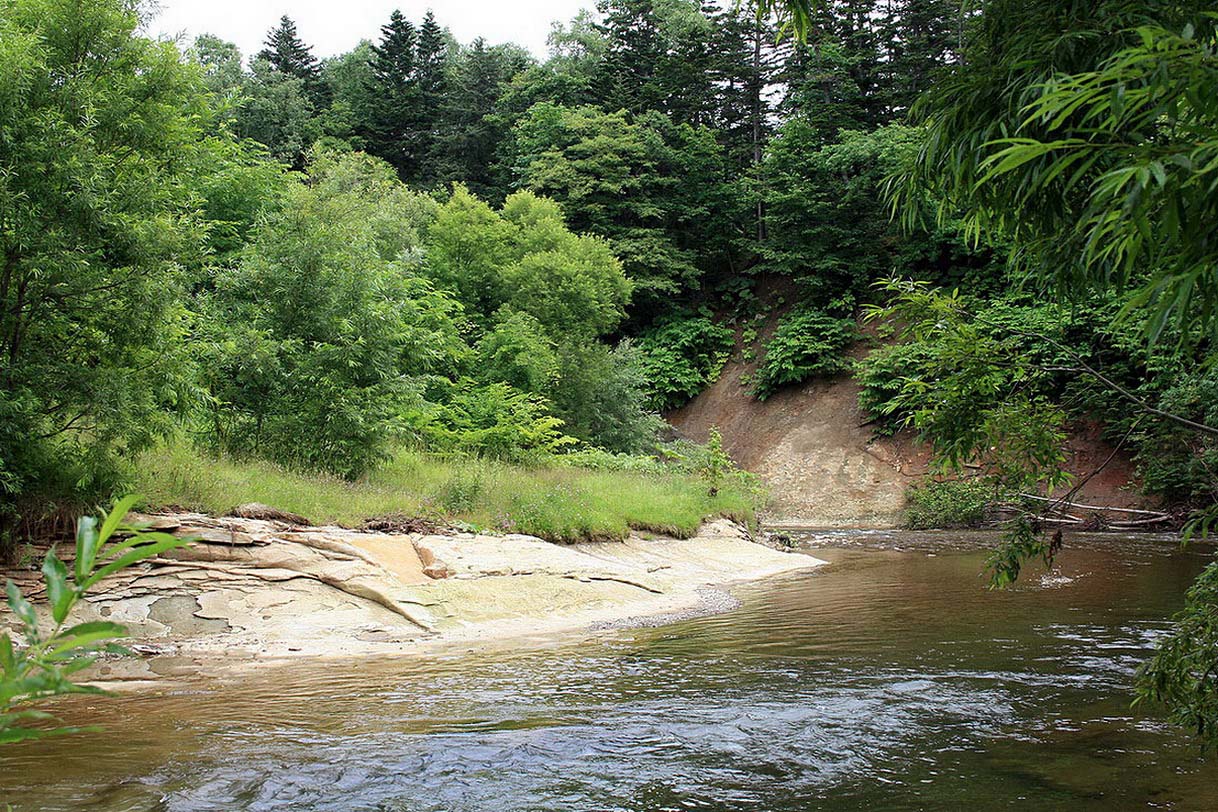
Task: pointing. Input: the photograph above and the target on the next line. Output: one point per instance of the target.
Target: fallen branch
(1079, 506)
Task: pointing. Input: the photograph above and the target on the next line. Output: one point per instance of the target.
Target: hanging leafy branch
(793, 16)
(1183, 674)
(46, 662)
(1102, 176)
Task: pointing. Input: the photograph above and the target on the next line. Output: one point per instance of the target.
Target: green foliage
(517, 351)
(101, 132)
(807, 343)
(1023, 541)
(275, 110)
(471, 131)
(525, 256)
(499, 422)
(646, 185)
(681, 356)
(948, 504)
(577, 287)
(603, 398)
(45, 661)
(882, 377)
(827, 223)
(1174, 461)
(1086, 134)
(237, 184)
(468, 246)
(716, 464)
(460, 493)
(970, 387)
(314, 344)
(1181, 674)
(598, 459)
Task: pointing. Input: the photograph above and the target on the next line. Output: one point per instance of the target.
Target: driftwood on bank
(1096, 517)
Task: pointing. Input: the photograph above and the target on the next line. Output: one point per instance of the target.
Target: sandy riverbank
(249, 591)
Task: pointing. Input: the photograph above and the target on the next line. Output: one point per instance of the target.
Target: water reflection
(890, 680)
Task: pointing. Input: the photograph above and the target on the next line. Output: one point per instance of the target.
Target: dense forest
(460, 248)
(427, 242)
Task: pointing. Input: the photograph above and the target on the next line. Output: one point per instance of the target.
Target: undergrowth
(557, 501)
(950, 504)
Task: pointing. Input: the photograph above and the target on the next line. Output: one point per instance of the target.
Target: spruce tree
(748, 60)
(469, 135)
(394, 97)
(288, 54)
(432, 60)
(924, 34)
(431, 72)
(626, 79)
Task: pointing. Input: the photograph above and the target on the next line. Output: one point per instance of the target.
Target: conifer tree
(633, 50)
(467, 141)
(432, 61)
(748, 59)
(288, 54)
(924, 35)
(394, 97)
(431, 71)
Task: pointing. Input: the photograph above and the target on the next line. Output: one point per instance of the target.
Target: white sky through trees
(335, 27)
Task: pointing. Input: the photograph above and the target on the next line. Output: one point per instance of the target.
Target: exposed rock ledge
(257, 588)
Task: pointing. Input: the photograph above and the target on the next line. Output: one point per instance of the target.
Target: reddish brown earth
(812, 445)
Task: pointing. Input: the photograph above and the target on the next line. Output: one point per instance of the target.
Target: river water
(889, 680)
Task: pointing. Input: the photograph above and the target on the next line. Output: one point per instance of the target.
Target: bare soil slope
(811, 445)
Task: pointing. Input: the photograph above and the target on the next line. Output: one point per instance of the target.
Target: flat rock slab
(261, 587)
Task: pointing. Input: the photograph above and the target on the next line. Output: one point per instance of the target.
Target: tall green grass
(556, 502)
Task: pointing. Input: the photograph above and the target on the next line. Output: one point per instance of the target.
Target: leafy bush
(103, 130)
(518, 352)
(1176, 462)
(499, 422)
(882, 375)
(525, 256)
(311, 345)
(951, 503)
(460, 492)
(597, 459)
(602, 399)
(1171, 677)
(808, 343)
(681, 356)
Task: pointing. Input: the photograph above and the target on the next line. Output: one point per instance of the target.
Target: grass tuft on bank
(558, 502)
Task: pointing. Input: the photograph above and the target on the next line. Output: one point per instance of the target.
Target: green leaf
(87, 543)
(60, 593)
(164, 542)
(21, 734)
(116, 515)
(8, 658)
(137, 540)
(21, 607)
(85, 634)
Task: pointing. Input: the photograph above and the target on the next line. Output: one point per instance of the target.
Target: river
(891, 679)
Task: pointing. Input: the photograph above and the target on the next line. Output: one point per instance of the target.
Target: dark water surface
(889, 680)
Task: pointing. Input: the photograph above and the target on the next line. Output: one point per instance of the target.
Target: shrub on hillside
(808, 343)
(882, 376)
(681, 356)
(602, 398)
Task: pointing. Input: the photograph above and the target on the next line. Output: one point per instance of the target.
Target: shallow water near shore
(890, 679)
